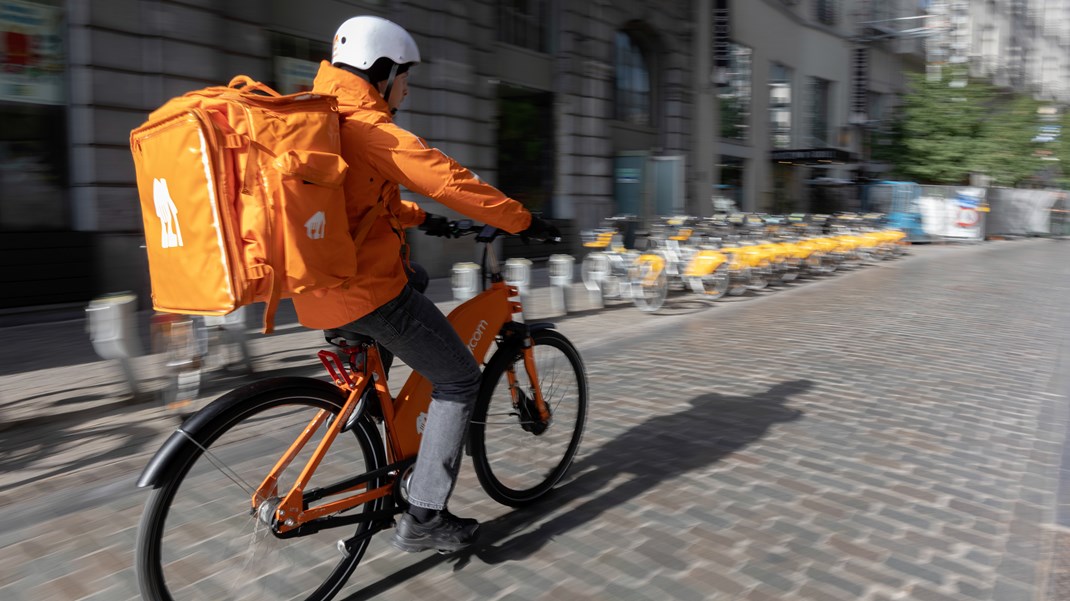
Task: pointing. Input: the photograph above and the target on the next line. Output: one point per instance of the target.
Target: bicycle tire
(517, 466)
(718, 283)
(205, 561)
(649, 295)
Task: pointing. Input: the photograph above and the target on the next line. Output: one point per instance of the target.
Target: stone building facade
(581, 110)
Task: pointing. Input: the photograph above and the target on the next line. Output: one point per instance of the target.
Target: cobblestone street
(893, 432)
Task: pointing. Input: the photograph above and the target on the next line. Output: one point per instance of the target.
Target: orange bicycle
(243, 506)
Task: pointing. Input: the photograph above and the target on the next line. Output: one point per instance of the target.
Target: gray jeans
(412, 328)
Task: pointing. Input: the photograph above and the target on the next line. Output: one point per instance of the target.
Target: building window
(825, 11)
(632, 82)
(735, 94)
(525, 146)
(780, 105)
(523, 23)
(297, 60)
(820, 98)
(292, 46)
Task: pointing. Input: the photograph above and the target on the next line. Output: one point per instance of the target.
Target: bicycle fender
(193, 431)
(160, 462)
(510, 342)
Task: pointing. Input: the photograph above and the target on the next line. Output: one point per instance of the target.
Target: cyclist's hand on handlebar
(541, 231)
(437, 225)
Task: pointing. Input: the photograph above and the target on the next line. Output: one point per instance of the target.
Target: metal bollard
(112, 326)
(518, 274)
(560, 267)
(233, 329)
(595, 269)
(464, 280)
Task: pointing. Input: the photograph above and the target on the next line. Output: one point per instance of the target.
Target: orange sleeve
(402, 157)
(411, 215)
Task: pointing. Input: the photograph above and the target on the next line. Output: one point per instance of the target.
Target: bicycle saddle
(346, 338)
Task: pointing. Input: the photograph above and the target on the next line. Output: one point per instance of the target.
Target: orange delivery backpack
(241, 198)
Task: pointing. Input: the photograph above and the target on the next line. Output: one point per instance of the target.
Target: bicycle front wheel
(200, 537)
(650, 284)
(518, 458)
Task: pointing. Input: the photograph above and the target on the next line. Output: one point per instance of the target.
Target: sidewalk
(49, 371)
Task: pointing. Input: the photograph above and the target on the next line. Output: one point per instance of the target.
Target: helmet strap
(390, 86)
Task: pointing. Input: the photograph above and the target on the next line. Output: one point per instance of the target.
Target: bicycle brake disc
(529, 415)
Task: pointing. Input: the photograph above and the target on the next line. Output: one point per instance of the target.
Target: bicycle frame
(479, 322)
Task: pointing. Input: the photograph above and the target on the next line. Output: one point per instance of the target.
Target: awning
(829, 181)
(813, 156)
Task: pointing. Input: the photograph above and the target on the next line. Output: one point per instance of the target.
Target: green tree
(1005, 150)
(1061, 149)
(944, 133)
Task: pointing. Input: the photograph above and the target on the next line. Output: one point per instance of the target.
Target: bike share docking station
(518, 274)
(464, 280)
(597, 269)
(112, 326)
(561, 267)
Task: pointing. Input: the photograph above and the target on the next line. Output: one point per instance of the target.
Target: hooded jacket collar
(353, 93)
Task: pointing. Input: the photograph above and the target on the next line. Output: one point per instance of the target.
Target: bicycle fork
(533, 411)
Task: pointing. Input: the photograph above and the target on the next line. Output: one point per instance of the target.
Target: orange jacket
(382, 155)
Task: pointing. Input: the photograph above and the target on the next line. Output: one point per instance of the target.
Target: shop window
(33, 139)
(523, 23)
(729, 195)
(633, 96)
(33, 167)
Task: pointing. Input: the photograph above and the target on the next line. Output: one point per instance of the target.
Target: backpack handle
(245, 83)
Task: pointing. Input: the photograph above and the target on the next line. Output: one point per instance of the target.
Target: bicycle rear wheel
(517, 458)
(200, 539)
(650, 285)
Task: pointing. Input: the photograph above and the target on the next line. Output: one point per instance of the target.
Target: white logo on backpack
(316, 226)
(170, 232)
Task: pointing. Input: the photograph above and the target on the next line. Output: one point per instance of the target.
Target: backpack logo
(421, 423)
(315, 226)
(171, 233)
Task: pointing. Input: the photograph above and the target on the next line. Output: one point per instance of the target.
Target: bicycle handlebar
(484, 233)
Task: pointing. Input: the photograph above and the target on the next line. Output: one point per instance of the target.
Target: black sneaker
(444, 533)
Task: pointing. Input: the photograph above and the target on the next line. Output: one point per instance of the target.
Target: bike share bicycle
(242, 507)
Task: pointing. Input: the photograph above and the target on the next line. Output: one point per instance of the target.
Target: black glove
(541, 231)
(436, 225)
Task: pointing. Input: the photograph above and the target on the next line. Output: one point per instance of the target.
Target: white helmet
(361, 41)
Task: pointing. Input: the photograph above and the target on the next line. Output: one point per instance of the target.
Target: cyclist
(368, 73)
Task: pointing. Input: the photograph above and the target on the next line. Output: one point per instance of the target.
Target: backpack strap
(365, 225)
(252, 167)
(263, 270)
(247, 84)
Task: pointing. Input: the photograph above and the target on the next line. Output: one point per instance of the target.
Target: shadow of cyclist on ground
(651, 453)
(656, 451)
